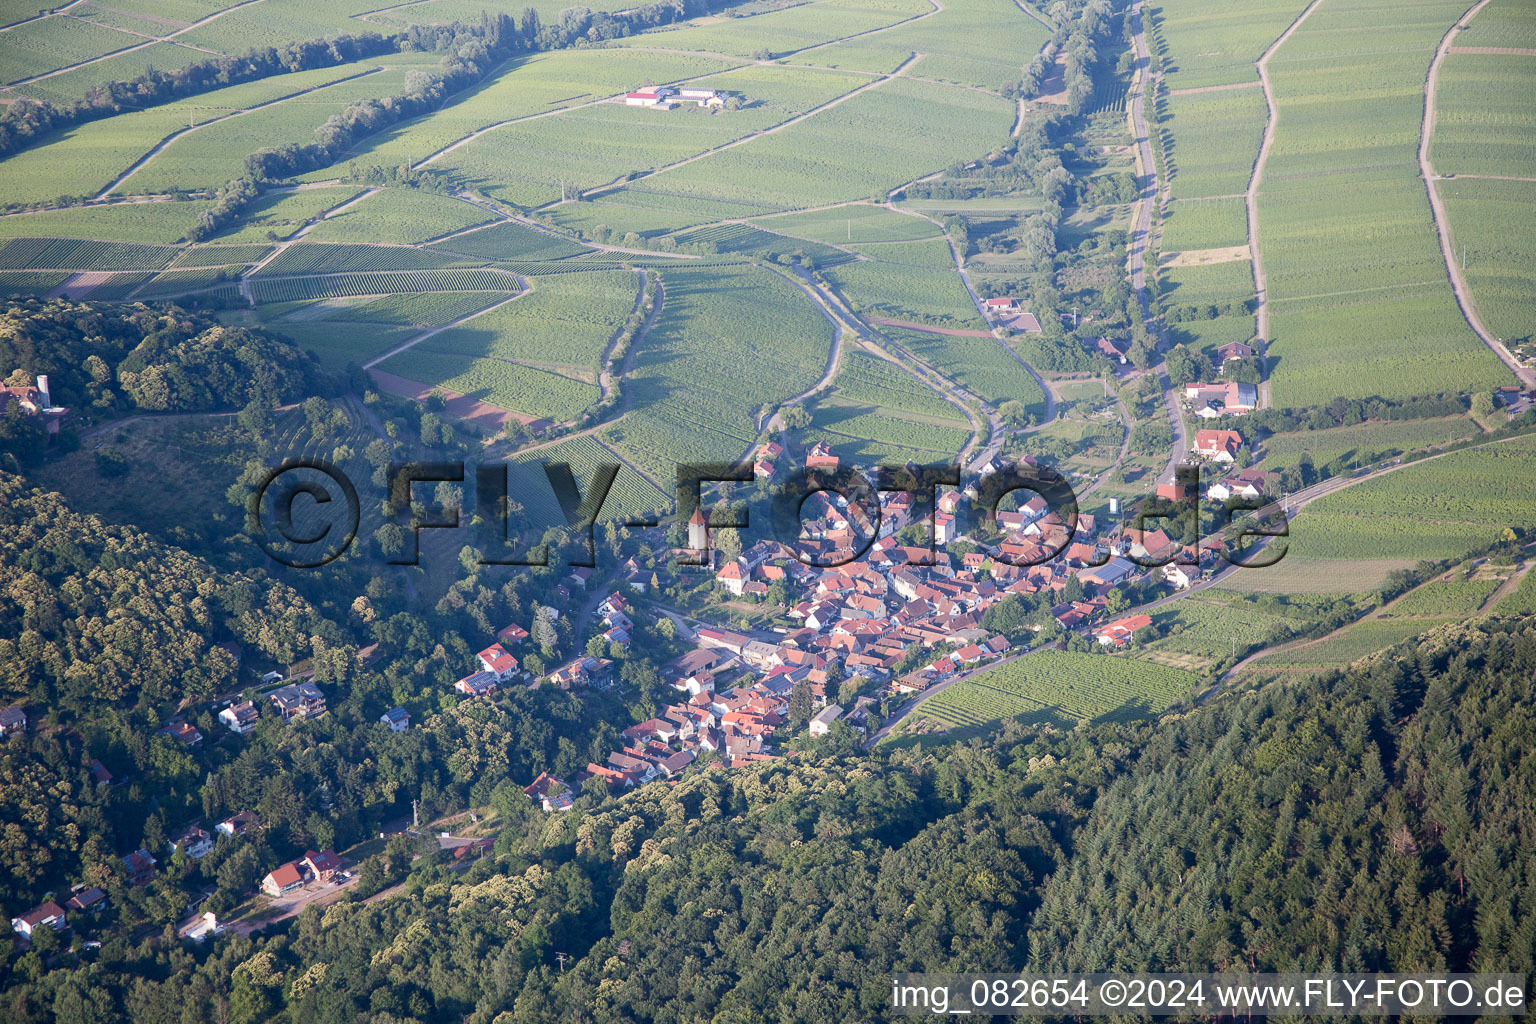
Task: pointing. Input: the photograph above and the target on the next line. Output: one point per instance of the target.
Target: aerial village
(864, 619)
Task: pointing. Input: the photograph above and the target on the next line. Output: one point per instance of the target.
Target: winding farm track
(1251, 200)
(1525, 375)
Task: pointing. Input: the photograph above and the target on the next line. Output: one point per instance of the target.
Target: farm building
(1002, 304)
(659, 98)
(703, 97)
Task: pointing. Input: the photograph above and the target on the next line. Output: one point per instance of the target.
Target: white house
(240, 718)
(822, 723)
(194, 841)
(50, 914)
(398, 719)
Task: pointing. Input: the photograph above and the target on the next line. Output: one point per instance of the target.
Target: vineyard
(873, 142)
(80, 254)
(329, 286)
(981, 364)
(874, 381)
(1059, 688)
(740, 238)
(853, 223)
(399, 216)
(510, 242)
(861, 421)
(1363, 442)
(728, 341)
(328, 258)
(1362, 305)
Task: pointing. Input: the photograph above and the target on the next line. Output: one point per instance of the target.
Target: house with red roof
(1118, 632)
(495, 660)
(1218, 445)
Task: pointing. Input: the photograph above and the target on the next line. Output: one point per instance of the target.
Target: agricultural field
(277, 216)
(31, 282)
(153, 223)
(845, 424)
(1521, 600)
(1503, 23)
(1365, 442)
(328, 258)
(631, 495)
(80, 254)
(1208, 629)
(730, 341)
(984, 365)
(737, 239)
(39, 47)
(874, 381)
(1218, 283)
(89, 157)
(1211, 44)
(1437, 603)
(1493, 227)
(611, 211)
(901, 291)
(784, 31)
(1204, 224)
(211, 156)
(511, 242)
(381, 282)
(873, 142)
(527, 162)
(66, 87)
(1056, 687)
(1440, 508)
(339, 344)
(1484, 120)
(852, 224)
(531, 86)
(537, 394)
(399, 216)
(1216, 138)
(1362, 305)
(564, 323)
(978, 43)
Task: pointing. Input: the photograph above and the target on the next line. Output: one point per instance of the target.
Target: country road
(1524, 374)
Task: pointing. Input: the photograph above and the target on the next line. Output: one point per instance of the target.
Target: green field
(1521, 600)
(1204, 224)
(1215, 140)
(1495, 223)
(383, 282)
(982, 364)
(852, 224)
(1484, 120)
(873, 381)
(527, 162)
(1218, 44)
(533, 85)
(729, 341)
(1441, 508)
(1364, 442)
(1210, 630)
(156, 223)
(85, 159)
(847, 425)
(874, 142)
(1362, 305)
(399, 216)
(1436, 603)
(1060, 688)
(564, 324)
